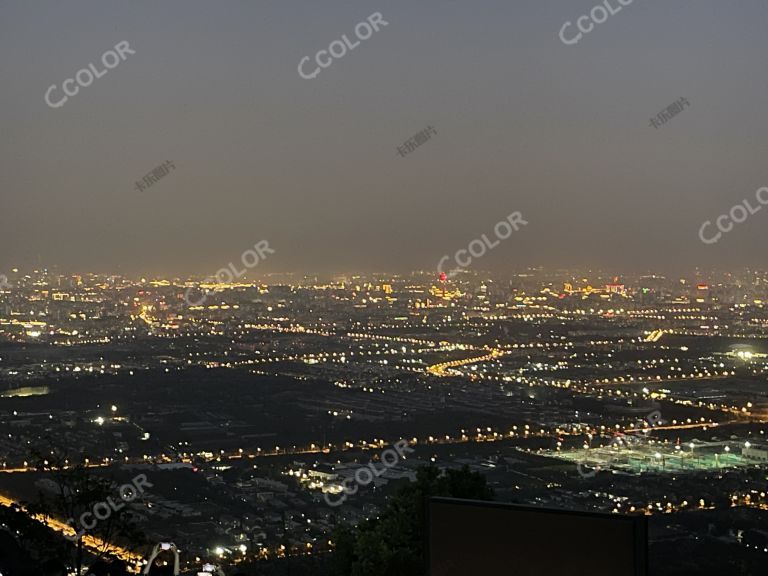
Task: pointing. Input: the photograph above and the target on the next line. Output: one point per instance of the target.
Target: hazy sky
(524, 123)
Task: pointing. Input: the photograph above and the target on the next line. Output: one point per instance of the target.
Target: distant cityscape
(384, 289)
(268, 415)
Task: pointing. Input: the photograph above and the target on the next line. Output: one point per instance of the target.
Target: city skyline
(282, 408)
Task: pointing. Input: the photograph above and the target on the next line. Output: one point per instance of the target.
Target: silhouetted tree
(394, 543)
(77, 489)
(53, 568)
(13, 559)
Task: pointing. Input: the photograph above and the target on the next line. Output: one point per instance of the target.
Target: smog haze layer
(523, 118)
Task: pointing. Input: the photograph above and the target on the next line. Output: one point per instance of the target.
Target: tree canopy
(394, 544)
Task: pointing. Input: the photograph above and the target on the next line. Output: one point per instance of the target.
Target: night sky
(523, 123)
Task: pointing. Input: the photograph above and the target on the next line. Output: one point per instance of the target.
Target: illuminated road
(689, 426)
(92, 543)
(445, 368)
(33, 469)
